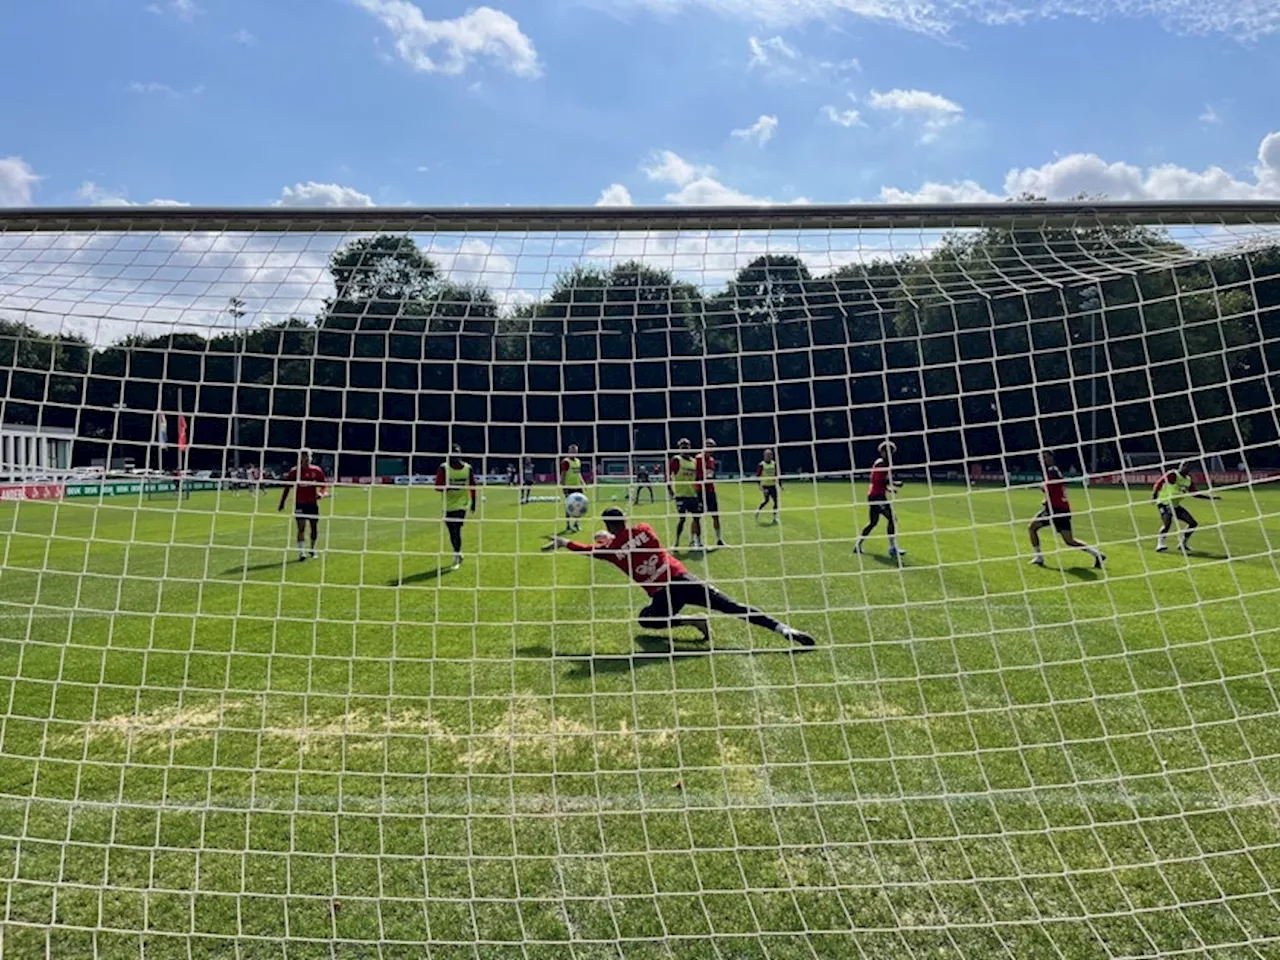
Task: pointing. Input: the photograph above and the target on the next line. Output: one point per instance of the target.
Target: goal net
(275, 717)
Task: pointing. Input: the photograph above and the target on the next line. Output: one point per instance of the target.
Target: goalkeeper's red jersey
(638, 553)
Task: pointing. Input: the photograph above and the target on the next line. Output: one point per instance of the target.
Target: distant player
(644, 481)
(1168, 493)
(307, 483)
(512, 475)
(878, 491)
(527, 476)
(1056, 510)
(457, 481)
(770, 484)
(637, 552)
(571, 482)
(684, 484)
(709, 499)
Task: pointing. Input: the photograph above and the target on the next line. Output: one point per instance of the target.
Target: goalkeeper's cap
(456, 448)
(684, 443)
(613, 513)
(888, 447)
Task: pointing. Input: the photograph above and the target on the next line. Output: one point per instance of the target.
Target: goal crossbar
(880, 216)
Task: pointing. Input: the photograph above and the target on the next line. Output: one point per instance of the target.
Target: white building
(34, 451)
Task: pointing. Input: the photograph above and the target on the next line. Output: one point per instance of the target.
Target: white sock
(1039, 554)
(893, 543)
(1091, 551)
(1160, 540)
(299, 546)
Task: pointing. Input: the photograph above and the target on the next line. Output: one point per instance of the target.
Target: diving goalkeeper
(637, 552)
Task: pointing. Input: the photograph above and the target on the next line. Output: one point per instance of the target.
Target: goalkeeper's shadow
(654, 650)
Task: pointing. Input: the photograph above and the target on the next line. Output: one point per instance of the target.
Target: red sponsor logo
(31, 491)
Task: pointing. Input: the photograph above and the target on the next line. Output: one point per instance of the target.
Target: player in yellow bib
(684, 484)
(571, 481)
(770, 484)
(457, 481)
(1169, 491)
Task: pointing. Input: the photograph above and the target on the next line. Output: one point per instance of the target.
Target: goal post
(371, 713)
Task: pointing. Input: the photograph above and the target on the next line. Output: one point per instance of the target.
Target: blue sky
(568, 101)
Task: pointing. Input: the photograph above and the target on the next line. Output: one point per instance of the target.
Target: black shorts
(770, 493)
(455, 516)
(1167, 513)
(1061, 521)
(712, 501)
(880, 507)
(306, 509)
(691, 505)
(570, 490)
(683, 592)
(528, 479)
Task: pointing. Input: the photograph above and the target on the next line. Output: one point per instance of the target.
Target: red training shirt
(638, 553)
(879, 479)
(707, 471)
(1055, 490)
(308, 483)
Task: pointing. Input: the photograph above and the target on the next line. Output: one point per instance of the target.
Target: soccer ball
(576, 505)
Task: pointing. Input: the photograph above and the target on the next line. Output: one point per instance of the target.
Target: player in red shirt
(307, 483)
(878, 497)
(1056, 510)
(710, 502)
(637, 552)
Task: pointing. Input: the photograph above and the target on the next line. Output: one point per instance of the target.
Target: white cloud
(936, 111)
(182, 9)
(1242, 19)
(16, 182)
(614, 195)
(153, 89)
(245, 37)
(842, 118)
(450, 46)
(966, 191)
(767, 53)
(1210, 115)
(914, 101)
(762, 131)
(1087, 173)
(670, 167)
(697, 184)
(98, 196)
(312, 194)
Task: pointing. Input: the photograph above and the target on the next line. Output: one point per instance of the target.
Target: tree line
(983, 349)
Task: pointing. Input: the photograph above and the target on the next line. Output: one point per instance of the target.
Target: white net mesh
(212, 749)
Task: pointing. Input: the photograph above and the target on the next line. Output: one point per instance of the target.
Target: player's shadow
(886, 561)
(256, 567)
(1083, 573)
(1206, 555)
(424, 577)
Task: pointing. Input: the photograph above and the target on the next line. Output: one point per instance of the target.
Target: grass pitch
(212, 750)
